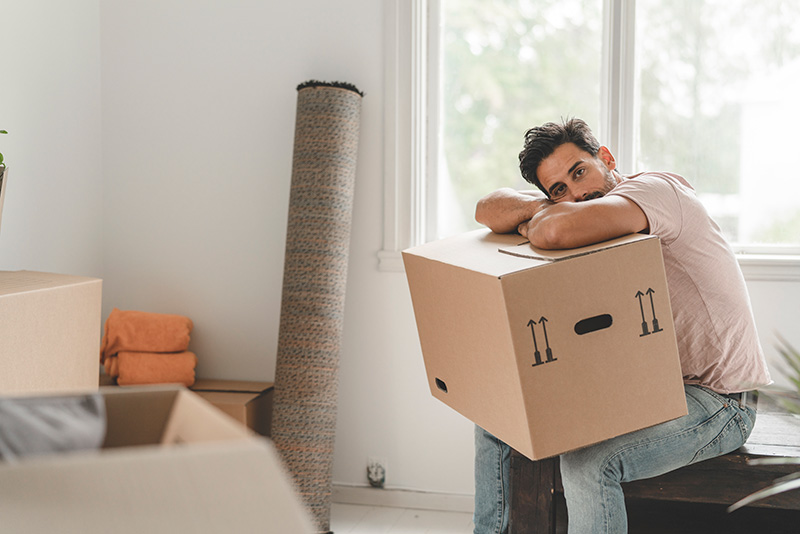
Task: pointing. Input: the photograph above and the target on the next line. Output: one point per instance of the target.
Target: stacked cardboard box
(248, 402)
(49, 332)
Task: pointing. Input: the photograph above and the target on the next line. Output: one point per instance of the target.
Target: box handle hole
(593, 324)
(441, 385)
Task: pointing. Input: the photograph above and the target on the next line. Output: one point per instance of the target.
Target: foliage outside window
(715, 101)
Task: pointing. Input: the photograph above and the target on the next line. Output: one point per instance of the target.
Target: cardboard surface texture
(248, 402)
(49, 332)
(170, 463)
(549, 351)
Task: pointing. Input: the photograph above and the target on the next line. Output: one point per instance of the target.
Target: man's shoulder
(643, 178)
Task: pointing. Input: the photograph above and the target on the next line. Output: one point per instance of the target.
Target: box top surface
(501, 254)
(231, 386)
(526, 250)
(477, 251)
(13, 282)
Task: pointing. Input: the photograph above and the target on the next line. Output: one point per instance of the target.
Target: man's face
(570, 174)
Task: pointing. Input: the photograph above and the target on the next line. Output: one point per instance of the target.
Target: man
(586, 200)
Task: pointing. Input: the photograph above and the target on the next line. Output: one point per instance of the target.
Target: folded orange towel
(133, 368)
(137, 331)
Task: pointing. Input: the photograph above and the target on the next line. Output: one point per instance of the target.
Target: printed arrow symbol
(548, 351)
(653, 308)
(645, 330)
(536, 354)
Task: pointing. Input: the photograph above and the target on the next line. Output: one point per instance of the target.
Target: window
(703, 88)
(504, 67)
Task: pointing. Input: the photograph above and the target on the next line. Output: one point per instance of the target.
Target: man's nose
(579, 195)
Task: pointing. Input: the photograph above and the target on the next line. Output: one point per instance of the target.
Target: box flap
(231, 386)
(526, 250)
(208, 488)
(228, 398)
(150, 415)
(193, 419)
(136, 416)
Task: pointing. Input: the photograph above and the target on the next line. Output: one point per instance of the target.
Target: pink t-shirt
(717, 338)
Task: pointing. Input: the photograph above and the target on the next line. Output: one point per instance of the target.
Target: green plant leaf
(788, 483)
(790, 400)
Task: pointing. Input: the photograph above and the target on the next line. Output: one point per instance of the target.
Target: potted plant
(1, 154)
(2, 165)
(790, 400)
(3, 176)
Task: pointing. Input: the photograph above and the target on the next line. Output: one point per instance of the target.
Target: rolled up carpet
(137, 368)
(140, 331)
(314, 276)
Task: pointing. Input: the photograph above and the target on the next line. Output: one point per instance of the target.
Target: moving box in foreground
(549, 351)
(171, 463)
(49, 332)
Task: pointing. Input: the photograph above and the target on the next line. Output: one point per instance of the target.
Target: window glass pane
(717, 103)
(505, 66)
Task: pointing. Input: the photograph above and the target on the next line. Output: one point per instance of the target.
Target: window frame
(410, 28)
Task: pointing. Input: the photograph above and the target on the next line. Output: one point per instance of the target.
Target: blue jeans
(715, 425)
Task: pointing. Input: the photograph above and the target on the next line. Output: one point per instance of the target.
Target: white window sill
(773, 267)
(770, 267)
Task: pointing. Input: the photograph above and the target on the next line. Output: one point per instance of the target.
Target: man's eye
(579, 173)
(558, 191)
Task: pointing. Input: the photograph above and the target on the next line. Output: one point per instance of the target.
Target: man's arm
(575, 224)
(505, 209)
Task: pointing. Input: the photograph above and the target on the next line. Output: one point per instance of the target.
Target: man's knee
(587, 467)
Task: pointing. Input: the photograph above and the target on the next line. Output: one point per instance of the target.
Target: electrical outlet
(376, 472)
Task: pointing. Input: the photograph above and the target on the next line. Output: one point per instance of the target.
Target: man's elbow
(480, 212)
(486, 215)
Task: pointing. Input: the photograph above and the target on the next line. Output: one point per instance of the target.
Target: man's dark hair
(542, 141)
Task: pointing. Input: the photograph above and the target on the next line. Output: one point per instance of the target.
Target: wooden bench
(536, 486)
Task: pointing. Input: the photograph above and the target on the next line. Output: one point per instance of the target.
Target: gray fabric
(42, 425)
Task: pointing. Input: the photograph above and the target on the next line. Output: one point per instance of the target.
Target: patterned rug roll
(315, 273)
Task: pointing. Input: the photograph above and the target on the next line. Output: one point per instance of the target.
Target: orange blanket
(137, 331)
(132, 368)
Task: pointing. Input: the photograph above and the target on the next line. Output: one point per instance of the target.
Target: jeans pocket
(732, 436)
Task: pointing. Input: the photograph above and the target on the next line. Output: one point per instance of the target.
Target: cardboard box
(49, 332)
(248, 402)
(171, 463)
(549, 351)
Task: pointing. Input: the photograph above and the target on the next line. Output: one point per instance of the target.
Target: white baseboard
(402, 498)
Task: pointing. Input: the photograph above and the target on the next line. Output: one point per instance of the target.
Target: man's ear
(607, 158)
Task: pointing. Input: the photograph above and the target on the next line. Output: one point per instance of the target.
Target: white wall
(198, 127)
(50, 105)
(194, 136)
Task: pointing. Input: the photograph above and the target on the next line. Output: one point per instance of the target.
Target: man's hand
(505, 210)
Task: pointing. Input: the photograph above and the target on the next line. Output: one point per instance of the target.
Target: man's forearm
(503, 210)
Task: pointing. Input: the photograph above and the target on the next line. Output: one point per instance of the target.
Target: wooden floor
(358, 519)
